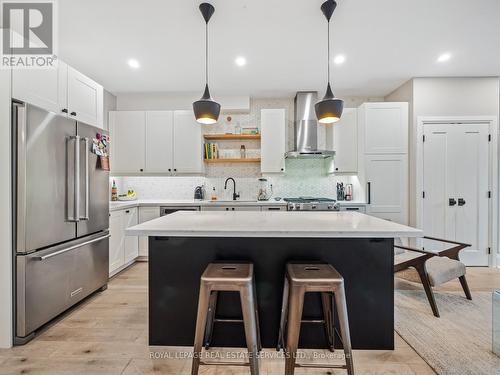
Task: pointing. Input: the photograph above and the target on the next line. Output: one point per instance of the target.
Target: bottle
(214, 194)
(114, 192)
(243, 152)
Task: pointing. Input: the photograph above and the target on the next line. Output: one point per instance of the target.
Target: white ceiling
(385, 42)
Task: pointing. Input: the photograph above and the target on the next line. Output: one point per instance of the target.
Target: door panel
(131, 242)
(85, 98)
(116, 241)
(188, 145)
(49, 151)
(456, 167)
(98, 185)
(439, 184)
(159, 139)
(472, 186)
(146, 214)
(388, 182)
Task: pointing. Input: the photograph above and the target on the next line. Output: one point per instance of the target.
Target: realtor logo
(28, 34)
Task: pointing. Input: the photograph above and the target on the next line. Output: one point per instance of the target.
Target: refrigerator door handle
(19, 119)
(76, 186)
(51, 255)
(87, 182)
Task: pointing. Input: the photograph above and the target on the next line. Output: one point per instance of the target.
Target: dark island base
(176, 264)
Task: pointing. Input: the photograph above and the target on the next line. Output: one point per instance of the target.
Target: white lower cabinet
(146, 214)
(122, 249)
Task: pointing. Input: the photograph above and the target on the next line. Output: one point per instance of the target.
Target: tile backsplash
(303, 177)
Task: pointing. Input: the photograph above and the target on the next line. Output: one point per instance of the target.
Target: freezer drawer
(52, 280)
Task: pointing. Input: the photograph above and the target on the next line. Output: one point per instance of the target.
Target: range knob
(313, 207)
(330, 206)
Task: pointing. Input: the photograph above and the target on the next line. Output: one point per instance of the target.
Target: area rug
(459, 342)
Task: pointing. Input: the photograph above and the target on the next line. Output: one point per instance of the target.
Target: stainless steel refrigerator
(61, 216)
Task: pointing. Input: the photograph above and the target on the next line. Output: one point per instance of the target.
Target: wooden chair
(432, 268)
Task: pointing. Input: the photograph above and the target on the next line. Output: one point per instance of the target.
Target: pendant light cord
(206, 53)
(328, 59)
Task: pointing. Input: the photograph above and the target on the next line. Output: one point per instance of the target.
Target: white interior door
(456, 173)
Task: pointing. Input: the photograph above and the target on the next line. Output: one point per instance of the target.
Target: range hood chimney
(306, 128)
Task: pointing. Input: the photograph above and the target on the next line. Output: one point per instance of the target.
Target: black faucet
(235, 196)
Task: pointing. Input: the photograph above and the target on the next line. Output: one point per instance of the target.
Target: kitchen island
(359, 246)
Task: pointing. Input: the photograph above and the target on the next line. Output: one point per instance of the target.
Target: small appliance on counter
(265, 190)
(344, 192)
(348, 192)
(199, 192)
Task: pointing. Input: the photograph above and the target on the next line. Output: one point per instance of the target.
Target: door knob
(461, 201)
(452, 202)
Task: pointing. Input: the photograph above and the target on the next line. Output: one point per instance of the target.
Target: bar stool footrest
(243, 364)
(306, 365)
(221, 320)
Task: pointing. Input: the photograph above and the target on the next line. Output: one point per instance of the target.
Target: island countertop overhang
(342, 224)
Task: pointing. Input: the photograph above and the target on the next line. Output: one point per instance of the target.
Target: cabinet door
(116, 241)
(146, 214)
(45, 88)
(188, 143)
(127, 130)
(387, 179)
(273, 141)
(85, 98)
(342, 137)
(385, 128)
(159, 139)
(131, 242)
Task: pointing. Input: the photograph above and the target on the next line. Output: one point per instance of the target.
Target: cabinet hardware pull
(452, 202)
(369, 184)
(73, 113)
(64, 110)
(461, 201)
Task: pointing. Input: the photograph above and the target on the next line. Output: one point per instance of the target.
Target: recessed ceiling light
(134, 64)
(444, 57)
(339, 59)
(240, 61)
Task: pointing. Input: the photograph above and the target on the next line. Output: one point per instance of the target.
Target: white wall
(5, 214)
(448, 96)
(108, 105)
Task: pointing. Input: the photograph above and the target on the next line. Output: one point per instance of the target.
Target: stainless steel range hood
(306, 128)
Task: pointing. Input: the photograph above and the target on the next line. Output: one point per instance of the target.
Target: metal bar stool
(306, 278)
(224, 277)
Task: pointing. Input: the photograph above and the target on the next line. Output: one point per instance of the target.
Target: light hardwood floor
(107, 334)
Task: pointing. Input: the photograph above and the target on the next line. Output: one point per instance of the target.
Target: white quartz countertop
(120, 205)
(344, 224)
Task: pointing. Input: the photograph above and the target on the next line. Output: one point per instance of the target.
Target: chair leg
(284, 312)
(212, 308)
(326, 303)
(424, 278)
(259, 342)
(250, 323)
(201, 319)
(465, 287)
(340, 301)
(296, 304)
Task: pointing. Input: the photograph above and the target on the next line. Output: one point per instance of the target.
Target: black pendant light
(329, 109)
(206, 110)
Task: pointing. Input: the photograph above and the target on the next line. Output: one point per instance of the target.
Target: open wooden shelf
(232, 136)
(246, 160)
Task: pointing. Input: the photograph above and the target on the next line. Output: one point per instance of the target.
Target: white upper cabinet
(384, 127)
(85, 98)
(127, 141)
(62, 90)
(187, 143)
(342, 137)
(155, 142)
(45, 88)
(159, 138)
(273, 140)
(387, 186)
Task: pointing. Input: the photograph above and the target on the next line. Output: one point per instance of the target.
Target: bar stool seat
(227, 277)
(309, 278)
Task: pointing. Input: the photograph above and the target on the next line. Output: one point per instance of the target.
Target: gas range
(312, 204)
